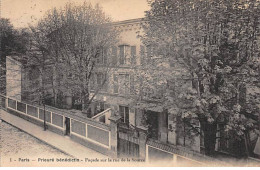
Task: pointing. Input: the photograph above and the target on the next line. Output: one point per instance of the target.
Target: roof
(130, 21)
(257, 147)
(155, 107)
(14, 60)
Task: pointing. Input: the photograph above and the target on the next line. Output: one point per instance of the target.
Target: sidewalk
(62, 143)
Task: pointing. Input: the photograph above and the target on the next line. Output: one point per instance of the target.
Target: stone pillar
(196, 139)
(114, 120)
(68, 99)
(68, 102)
(142, 141)
(172, 135)
(163, 127)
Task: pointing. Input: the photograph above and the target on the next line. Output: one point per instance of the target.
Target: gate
(128, 146)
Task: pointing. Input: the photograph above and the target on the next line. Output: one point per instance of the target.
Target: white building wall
(13, 78)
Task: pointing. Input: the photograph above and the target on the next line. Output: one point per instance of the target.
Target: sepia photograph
(130, 83)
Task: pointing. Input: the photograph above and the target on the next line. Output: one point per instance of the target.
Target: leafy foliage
(217, 44)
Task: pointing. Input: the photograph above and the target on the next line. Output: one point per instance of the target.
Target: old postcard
(140, 83)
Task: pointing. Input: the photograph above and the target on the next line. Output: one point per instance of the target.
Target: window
(124, 54)
(124, 84)
(102, 56)
(124, 113)
(100, 79)
(48, 78)
(100, 82)
(213, 40)
(70, 76)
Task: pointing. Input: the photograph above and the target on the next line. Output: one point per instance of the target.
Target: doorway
(67, 125)
(152, 122)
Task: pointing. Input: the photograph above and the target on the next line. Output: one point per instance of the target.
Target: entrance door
(67, 124)
(152, 121)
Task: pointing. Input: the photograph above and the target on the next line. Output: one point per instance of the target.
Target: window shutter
(133, 55)
(132, 116)
(149, 52)
(142, 57)
(122, 113)
(105, 56)
(121, 55)
(106, 77)
(99, 56)
(114, 55)
(127, 115)
(115, 83)
(127, 84)
(132, 84)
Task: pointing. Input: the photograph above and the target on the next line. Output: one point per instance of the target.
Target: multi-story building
(123, 93)
(122, 90)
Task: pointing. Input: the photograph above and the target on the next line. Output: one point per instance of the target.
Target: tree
(12, 42)
(217, 43)
(78, 38)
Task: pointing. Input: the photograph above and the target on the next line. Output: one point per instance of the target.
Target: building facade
(121, 90)
(124, 93)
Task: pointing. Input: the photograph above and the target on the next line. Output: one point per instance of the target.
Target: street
(18, 147)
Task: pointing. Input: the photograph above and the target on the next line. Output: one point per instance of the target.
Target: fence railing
(80, 126)
(177, 155)
(34, 112)
(103, 116)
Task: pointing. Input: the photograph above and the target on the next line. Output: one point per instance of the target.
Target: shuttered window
(102, 56)
(124, 113)
(124, 84)
(102, 81)
(133, 55)
(114, 55)
(124, 55)
(142, 56)
(115, 79)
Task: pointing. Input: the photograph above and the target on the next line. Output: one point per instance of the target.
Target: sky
(24, 12)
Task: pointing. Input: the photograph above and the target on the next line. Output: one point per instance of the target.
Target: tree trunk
(85, 103)
(41, 87)
(210, 131)
(54, 86)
